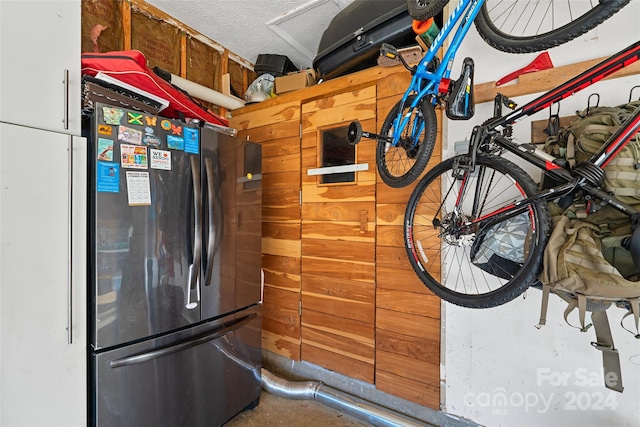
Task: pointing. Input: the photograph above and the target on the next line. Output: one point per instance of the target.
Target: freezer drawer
(201, 376)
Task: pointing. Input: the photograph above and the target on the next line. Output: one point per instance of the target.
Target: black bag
(276, 65)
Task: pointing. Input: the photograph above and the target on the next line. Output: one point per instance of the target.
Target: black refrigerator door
(198, 377)
(232, 223)
(147, 226)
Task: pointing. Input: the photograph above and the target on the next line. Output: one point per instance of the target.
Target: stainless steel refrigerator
(175, 271)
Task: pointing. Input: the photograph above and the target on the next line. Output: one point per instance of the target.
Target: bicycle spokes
(452, 223)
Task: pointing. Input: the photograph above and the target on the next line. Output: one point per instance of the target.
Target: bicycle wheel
(517, 26)
(461, 262)
(421, 10)
(402, 164)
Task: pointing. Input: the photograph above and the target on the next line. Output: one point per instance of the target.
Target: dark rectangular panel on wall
(102, 26)
(157, 40)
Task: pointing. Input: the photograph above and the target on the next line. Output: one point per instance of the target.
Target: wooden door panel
(346, 289)
(411, 361)
(354, 231)
(410, 389)
(339, 362)
(334, 268)
(339, 249)
(408, 302)
(286, 180)
(277, 128)
(346, 309)
(339, 100)
(338, 243)
(351, 347)
(340, 114)
(365, 192)
(281, 338)
(268, 117)
(338, 211)
(407, 313)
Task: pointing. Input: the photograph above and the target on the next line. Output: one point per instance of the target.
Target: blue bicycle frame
(425, 82)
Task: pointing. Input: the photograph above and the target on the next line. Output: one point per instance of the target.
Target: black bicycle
(469, 204)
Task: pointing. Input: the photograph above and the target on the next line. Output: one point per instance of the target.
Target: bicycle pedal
(388, 51)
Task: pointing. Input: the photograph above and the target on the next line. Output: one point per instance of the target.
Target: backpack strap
(581, 303)
(610, 356)
(546, 290)
(635, 311)
(571, 150)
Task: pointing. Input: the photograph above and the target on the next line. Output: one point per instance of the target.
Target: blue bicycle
(408, 134)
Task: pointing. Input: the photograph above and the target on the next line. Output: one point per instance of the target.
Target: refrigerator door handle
(194, 269)
(70, 243)
(65, 116)
(211, 242)
(224, 329)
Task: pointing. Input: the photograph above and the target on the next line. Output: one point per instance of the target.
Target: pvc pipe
(206, 94)
(358, 408)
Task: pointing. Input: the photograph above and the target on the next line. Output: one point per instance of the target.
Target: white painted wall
(498, 369)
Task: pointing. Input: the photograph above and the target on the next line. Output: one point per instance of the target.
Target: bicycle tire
(402, 164)
(437, 253)
(491, 21)
(421, 10)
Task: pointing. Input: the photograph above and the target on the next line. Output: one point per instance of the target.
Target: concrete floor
(277, 411)
(363, 402)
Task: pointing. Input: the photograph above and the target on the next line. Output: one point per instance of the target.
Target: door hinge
(300, 128)
(300, 308)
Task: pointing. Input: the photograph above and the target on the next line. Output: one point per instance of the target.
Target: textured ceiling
(251, 27)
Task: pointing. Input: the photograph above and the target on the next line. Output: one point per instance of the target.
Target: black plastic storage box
(276, 65)
(352, 40)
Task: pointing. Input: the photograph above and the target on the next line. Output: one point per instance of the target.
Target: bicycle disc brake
(454, 226)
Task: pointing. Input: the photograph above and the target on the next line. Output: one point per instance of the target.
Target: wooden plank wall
(341, 286)
(338, 243)
(407, 313)
(277, 129)
(545, 80)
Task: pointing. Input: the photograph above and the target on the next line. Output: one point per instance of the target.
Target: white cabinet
(40, 44)
(43, 320)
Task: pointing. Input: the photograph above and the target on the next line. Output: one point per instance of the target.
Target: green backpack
(585, 262)
(585, 135)
(591, 272)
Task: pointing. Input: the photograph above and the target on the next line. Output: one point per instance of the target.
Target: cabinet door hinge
(300, 307)
(300, 126)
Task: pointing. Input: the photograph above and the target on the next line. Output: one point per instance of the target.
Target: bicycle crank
(355, 133)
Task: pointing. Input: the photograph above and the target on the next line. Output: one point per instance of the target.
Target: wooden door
(277, 128)
(338, 242)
